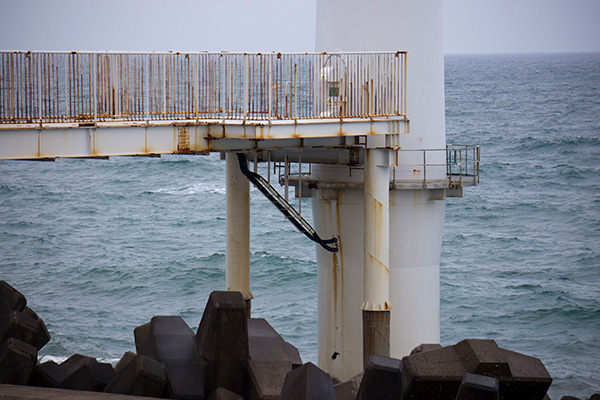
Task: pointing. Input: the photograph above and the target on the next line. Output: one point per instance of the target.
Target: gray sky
(471, 26)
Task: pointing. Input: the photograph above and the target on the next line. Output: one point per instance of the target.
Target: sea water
(101, 246)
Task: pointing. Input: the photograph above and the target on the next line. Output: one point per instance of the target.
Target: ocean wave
(56, 359)
(564, 144)
(197, 188)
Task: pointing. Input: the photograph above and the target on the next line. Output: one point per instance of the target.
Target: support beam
(376, 306)
(237, 257)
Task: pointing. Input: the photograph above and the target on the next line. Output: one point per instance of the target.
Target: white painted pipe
(237, 257)
(416, 229)
(376, 231)
(340, 276)
(376, 305)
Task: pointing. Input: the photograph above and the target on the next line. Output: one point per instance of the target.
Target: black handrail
(282, 205)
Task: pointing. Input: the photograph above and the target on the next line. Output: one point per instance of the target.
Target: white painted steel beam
(30, 141)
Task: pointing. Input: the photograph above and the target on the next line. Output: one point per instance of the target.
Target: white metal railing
(462, 163)
(48, 87)
(454, 167)
(458, 165)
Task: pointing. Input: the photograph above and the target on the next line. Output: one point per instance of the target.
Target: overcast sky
(471, 26)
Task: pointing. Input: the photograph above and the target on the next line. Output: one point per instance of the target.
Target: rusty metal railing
(453, 167)
(46, 87)
(462, 163)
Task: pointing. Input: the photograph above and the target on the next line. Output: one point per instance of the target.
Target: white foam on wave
(56, 359)
(113, 361)
(193, 189)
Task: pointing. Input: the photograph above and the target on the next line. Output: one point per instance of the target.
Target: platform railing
(47, 87)
(462, 163)
(455, 166)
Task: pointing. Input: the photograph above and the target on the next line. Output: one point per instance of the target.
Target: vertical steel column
(376, 306)
(237, 257)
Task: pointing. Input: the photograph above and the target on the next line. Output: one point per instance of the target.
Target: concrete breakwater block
(25, 326)
(127, 356)
(10, 300)
(345, 391)
(169, 340)
(425, 347)
(143, 344)
(20, 326)
(172, 339)
(80, 373)
(434, 374)
(306, 383)
(529, 378)
(266, 378)
(48, 374)
(19, 321)
(478, 387)
(437, 374)
(348, 390)
(222, 342)
(270, 360)
(174, 344)
(293, 355)
(382, 379)
(17, 360)
(84, 373)
(483, 357)
(105, 373)
(43, 336)
(141, 376)
(76, 373)
(185, 380)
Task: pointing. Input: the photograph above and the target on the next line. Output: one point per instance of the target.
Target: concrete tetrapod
(222, 342)
(437, 374)
(478, 387)
(81, 373)
(17, 360)
(174, 344)
(382, 379)
(141, 376)
(307, 382)
(269, 361)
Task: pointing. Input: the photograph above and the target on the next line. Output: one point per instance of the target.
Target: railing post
(94, 85)
(270, 87)
(38, 82)
(424, 168)
(286, 171)
(164, 86)
(295, 89)
(67, 85)
(196, 85)
(460, 164)
(448, 175)
(245, 85)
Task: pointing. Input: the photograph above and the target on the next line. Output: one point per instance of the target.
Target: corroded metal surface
(91, 87)
(376, 334)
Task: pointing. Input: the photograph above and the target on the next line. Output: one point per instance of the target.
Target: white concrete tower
(416, 216)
